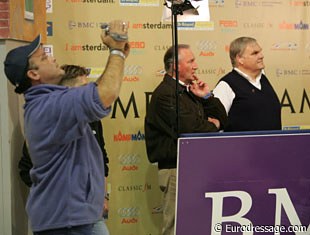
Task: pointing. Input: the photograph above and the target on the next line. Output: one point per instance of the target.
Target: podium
(243, 183)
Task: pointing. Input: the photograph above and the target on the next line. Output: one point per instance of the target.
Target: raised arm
(109, 83)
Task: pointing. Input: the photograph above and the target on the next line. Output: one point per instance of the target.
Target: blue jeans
(76, 230)
(100, 228)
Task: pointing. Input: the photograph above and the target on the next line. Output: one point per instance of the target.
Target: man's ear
(33, 74)
(240, 59)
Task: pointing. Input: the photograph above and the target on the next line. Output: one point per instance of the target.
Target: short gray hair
(238, 46)
(169, 56)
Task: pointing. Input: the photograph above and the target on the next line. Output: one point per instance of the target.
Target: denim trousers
(76, 230)
(100, 228)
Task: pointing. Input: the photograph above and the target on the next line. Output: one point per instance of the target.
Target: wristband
(207, 96)
(117, 52)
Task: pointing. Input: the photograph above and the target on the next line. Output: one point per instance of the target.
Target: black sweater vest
(252, 109)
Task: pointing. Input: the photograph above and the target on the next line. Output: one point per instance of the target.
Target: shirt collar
(182, 84)
(255, 82)
(258, 77)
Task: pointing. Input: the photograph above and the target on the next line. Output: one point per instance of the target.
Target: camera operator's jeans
(76, 230)
(100, 228)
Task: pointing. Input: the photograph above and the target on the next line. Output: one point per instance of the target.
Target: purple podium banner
(244, 184)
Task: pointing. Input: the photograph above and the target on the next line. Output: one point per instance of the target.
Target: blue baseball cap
(16, 61)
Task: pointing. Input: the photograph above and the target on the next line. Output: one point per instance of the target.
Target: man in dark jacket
(198, 111)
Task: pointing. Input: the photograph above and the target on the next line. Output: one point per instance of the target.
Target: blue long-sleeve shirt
(68, 171)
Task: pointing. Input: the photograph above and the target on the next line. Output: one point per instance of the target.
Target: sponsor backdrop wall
(73, 28)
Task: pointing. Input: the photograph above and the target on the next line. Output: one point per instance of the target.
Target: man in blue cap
(67, 193)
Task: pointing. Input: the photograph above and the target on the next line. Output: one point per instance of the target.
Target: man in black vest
(248, 97)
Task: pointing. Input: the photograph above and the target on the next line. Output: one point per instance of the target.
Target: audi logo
(206, 45)
(133, 70)
(128, 212)
(129, 159)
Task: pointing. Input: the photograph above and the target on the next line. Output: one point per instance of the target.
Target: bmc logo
(282, 203)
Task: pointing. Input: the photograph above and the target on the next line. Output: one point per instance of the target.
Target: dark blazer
(161, 120)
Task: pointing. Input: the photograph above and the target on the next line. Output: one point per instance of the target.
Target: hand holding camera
(115, 36)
